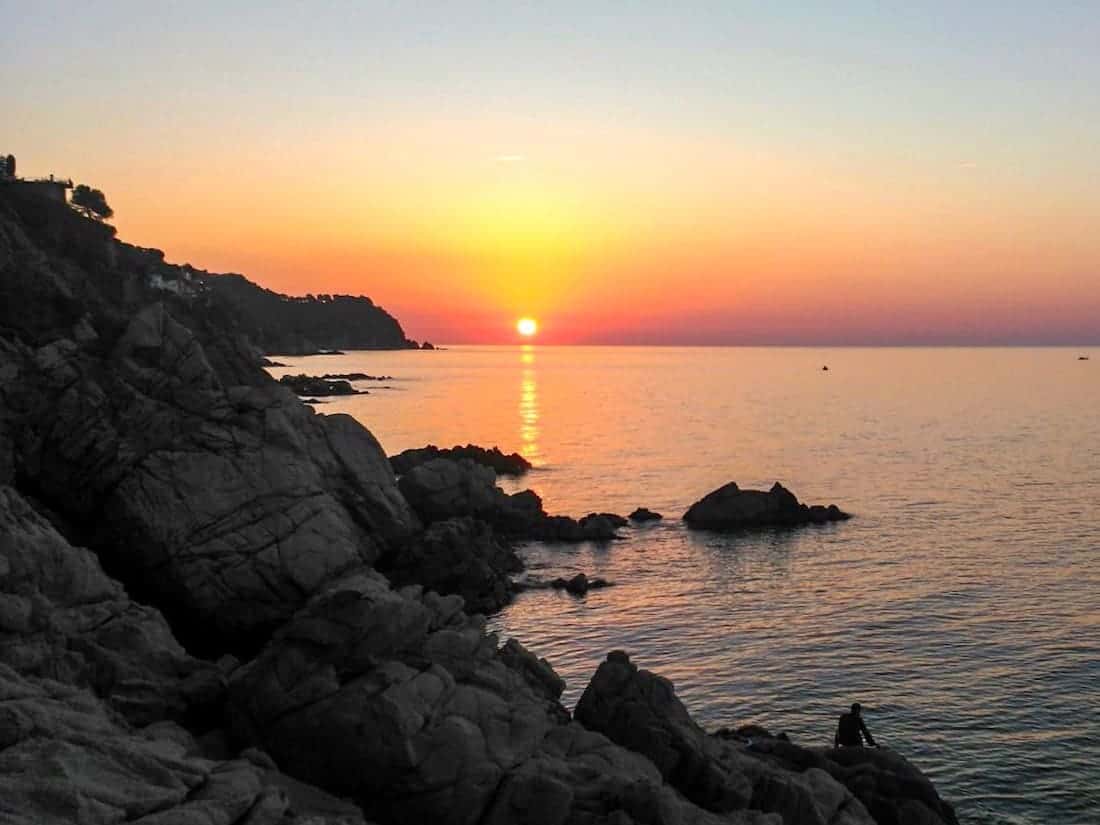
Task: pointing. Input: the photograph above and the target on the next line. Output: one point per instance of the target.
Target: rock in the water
(565, 529)
(643, 514)
(579, 584)
(503, 464)
(731, 508)
(614, 519)
(318, 387)
(441, 489)
(576, 585)
(458, 556)
(355, 376)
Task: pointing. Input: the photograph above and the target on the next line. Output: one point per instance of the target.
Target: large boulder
(395, 699)
(640, 711)
(890, 786)
(61, 617)
(460, 556)
(441, 489)
(399, 701)
(731, 508)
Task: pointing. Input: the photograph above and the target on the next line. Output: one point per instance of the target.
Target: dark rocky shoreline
(196, 624)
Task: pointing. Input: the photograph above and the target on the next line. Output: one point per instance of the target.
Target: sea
(960, 605)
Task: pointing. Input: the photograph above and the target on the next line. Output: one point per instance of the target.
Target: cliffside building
(50, 187)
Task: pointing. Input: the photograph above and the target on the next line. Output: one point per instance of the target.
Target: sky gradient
(853, 173)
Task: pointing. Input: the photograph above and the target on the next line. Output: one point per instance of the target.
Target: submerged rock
(576, 585)
(579, 584)
(355, 376)
(503, 464)
(643, 514)
(318, 387)
(731, 508)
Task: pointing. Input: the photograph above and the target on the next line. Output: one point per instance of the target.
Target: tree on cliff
(92, 202)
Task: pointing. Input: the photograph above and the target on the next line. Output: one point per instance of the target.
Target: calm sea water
(961, 606)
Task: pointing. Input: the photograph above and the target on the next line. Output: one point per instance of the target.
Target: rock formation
(92, 686)
(355, 376)
(318, 387)
(402, 702)
(441, 489)
(640, 711)
(503, 464)
(731, 508)
(311, 325)
(643, 514)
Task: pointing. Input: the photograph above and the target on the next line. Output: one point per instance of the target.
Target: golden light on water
(527, 327)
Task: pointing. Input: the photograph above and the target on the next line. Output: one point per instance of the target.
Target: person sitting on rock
(851, 731)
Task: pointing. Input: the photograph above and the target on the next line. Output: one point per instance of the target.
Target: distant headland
(277, 324)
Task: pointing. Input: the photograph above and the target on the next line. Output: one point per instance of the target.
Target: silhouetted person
(851, 731)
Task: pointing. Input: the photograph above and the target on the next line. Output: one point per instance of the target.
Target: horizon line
(932, 345)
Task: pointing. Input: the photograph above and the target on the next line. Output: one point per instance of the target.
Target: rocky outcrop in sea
(503, 464)
(196, 625)
(731, 508)
(440, 489)
(309, 385)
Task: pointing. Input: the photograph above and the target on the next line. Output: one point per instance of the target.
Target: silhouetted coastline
(196, 611)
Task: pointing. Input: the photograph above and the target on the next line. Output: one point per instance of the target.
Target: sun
(527, 327)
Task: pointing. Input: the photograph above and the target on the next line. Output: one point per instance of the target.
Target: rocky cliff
(285, 325)
(193, 628)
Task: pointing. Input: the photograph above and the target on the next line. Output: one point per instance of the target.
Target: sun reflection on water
(529, 407)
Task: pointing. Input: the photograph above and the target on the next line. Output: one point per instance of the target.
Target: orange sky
(614, 202)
